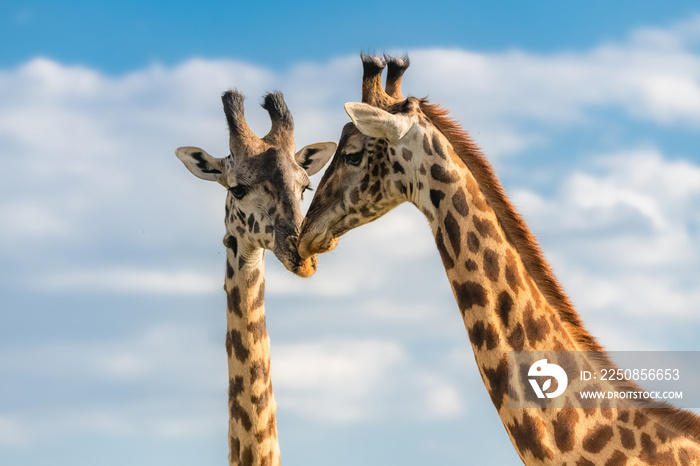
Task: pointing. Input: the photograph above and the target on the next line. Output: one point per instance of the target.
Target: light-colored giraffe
(265, 181)
(398, 150)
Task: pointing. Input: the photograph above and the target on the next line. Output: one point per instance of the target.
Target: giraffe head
(265, 181)
(374, 168)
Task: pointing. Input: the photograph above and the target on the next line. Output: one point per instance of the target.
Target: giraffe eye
(355, 158)
(238, 191)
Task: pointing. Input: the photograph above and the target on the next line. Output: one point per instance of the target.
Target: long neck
(504, 310)
(252, 407)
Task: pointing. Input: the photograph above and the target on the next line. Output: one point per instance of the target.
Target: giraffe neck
(504, 310)
(252, 407)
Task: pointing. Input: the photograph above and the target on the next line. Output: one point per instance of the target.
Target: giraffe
(399, 150)
(265, 180)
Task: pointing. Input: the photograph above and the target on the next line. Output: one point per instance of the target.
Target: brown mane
(518, 234)
(516, 230)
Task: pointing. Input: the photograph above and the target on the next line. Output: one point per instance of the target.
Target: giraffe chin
(305, 267)
(301, 266)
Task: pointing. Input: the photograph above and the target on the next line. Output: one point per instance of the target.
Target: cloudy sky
(111, 261)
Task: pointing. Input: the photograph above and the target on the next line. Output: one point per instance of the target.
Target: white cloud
(13, 432)
(132, 280)
(358, 380)
(92, 154)
(620, 233)
(167, 363)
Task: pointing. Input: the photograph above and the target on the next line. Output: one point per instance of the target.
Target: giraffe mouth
(294, 262)
(311, 243)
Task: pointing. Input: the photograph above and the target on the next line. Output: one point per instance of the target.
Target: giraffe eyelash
(306, 188)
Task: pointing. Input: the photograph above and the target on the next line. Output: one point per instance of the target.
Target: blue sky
(111, 262)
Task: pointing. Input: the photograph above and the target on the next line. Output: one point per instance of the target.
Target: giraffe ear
(313, 157)
(378, 123)
(201, 164)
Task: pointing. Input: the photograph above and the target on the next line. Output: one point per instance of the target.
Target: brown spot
(623, 416)
(422, 169)
(470, 265)
(235, 388)
(355, 196)
(640, 420)
(512, 275)
(597, 439)
(491, 268)
(365, 182)
(564, 429)
(498, 382)
(617, 459)
(398, 168)
(407, 154)
(469, 294)
(234, 345)
(454, 234)
(584, 462)
(252, 279)
(528, 436)
(233, 301)
(650, 455)
(269, 431)
(439, 173)
(234, 448)
(663, 433)
(437, 145)
(247, 458)
(260, 402)
(480, 335)
(426, 145)
(536, 328)
(460, 202)
(259, 370)
(486, 229)
(504, 306)
(473, 242)
(229, 269)
(258, 329)
(401, 187)
(627, 438)
(366, 211)
(231, 243)
(436, 196)
(478, 199)
(605, 408)
(260, 298)
(447, 261)
(374, 189)
(516, 339)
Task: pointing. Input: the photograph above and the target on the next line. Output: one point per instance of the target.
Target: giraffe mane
(516, 230)
(518, 234)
